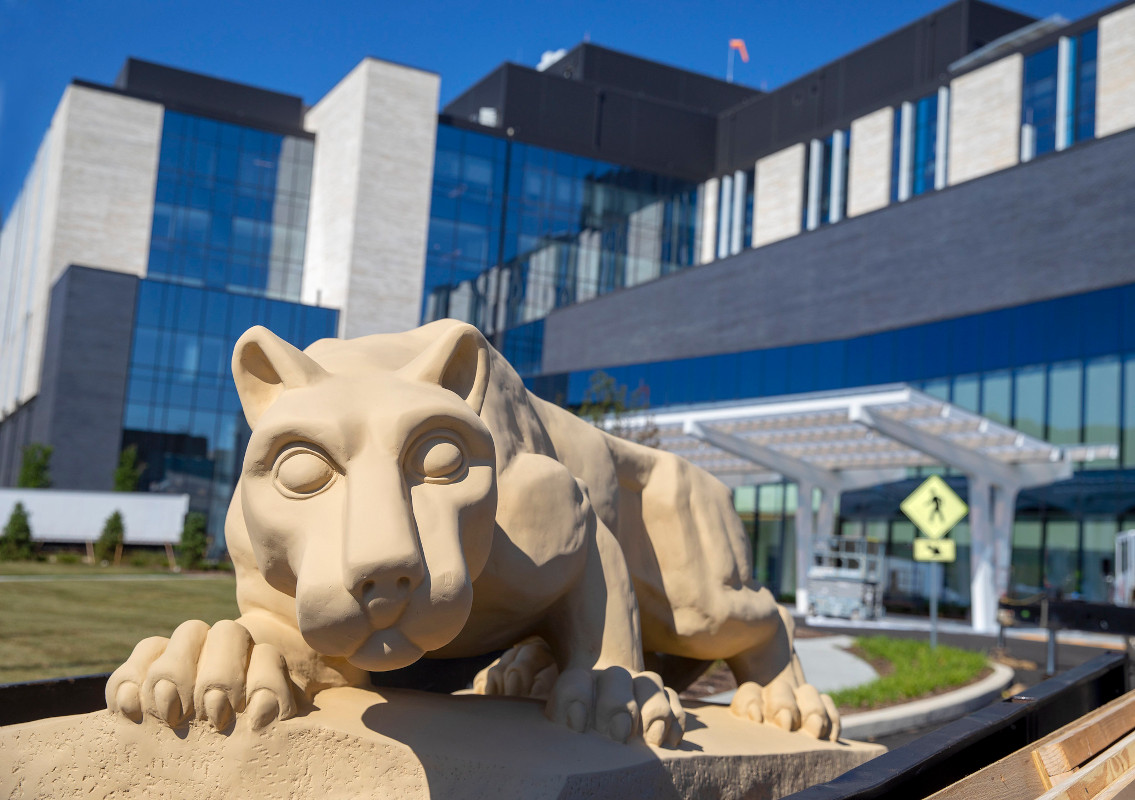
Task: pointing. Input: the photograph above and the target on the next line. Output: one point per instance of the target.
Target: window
(826, 187)
(1038, 104)
(918, 147)
(1058, 99)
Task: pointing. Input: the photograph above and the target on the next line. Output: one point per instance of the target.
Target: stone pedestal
(401, 743)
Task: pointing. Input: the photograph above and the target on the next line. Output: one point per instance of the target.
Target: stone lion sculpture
(403, 495)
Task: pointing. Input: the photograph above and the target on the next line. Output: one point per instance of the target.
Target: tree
(128, 471)
(111, 538)
(194, 541)
(35, 466)
(16, 541)
(605, 405)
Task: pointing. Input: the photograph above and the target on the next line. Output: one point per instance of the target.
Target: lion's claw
(791, 708)
(203, 673)
(618, 704)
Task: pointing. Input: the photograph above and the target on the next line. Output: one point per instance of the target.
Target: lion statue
(403, 495)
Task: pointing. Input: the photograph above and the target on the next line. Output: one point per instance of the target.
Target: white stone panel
(106, 189)
(985, 120)
(708, 195)
(1115, 86)
(89, 200)
(371, 183)
(779, 202)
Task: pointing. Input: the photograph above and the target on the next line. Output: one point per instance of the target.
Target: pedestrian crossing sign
(934, 507)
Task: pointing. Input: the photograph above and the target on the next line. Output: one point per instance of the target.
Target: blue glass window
(1038, 104)
(925, 144)
(231, 207)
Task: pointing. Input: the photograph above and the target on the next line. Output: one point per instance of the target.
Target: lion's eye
(438, 459)
(303, 472)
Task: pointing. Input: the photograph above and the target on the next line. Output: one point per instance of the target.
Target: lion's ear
(458, 361)
(264, 365)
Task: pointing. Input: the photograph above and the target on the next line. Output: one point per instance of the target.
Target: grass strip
(908, 670)
(54, 629)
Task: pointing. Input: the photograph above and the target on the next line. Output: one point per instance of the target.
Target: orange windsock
(739, 46)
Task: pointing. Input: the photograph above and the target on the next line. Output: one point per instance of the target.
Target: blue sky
(304, 48)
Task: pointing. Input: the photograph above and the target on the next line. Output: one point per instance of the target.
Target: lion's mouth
(385, 649)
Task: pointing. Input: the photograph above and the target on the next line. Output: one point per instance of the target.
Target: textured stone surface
(869, 173)
(779, 200)
(1115, 90)
(410, 744)
(370, 200)
(985, 120)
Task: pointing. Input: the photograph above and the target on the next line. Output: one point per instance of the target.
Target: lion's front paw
(203, 673)
(789, 707)
(525, 670)
(618, 704)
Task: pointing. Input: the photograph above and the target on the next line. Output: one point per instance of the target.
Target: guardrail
(945, 756)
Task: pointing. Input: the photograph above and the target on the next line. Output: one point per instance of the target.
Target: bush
(16, 541)
(113, 533)
(128, 471)
(194, 541)
(35, 467)
(68, 558)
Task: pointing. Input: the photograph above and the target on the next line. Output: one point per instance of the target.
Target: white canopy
(838, 441)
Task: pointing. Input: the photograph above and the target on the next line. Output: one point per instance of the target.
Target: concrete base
(403, 743)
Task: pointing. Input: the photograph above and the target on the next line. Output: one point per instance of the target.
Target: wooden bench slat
(1087, 739)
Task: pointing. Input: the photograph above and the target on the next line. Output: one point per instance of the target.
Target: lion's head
(369, 487)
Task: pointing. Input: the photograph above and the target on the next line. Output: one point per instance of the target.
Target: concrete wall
(1115, 88)
(370, 197)
(1019, 236)
(79, 409)
(985, 120)
(779, 196)
(869, 173)
(88, 199)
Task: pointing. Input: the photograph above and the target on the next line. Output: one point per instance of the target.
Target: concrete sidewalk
(827, 665)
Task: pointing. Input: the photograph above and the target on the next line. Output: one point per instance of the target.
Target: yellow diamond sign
(934, 507)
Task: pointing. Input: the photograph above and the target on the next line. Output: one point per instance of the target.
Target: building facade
(165, 215)
(948, 207)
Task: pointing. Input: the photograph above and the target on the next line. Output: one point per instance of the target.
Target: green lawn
(53, 629)
(908, 670)
(45, 568)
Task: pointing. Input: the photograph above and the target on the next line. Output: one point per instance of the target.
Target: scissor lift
(846, 578)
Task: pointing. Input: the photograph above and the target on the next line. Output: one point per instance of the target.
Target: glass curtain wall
(517, 230)
(182, 410)
(226, 253)
(230, 207)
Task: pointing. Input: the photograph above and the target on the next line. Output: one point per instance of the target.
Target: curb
(920, 713)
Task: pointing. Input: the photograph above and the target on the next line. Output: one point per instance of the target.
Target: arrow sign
(940, 550)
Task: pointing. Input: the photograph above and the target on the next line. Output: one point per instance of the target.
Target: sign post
(934, 508)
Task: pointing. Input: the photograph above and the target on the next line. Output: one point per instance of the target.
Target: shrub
(113, 533)
(16, 541)
(68, 558)
(35, 467)
(128, 471)
(194, 541)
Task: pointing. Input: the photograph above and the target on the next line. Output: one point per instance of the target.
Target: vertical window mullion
(838, 190)
(1065, 86)
(941, 144)
(815, 181)
(906, 151)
